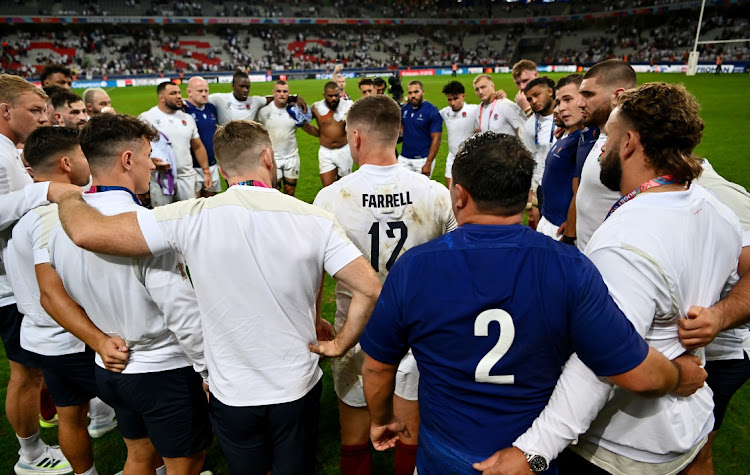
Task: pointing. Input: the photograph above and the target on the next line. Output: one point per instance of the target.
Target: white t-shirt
(498, 116)
(281, 128)
(460, 125)
(13, 177)
(593, 200)
(657, 260)
(386, 211)
(229, 108)
(180, 129)
(538, 136)
(40, 333)
(256, 257)
(148, 302)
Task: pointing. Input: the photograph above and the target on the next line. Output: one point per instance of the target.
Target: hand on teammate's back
(384, 437)
(699, 328)
(510, 461)
(114, 353)
(56, 190)
(323, 330)
(692, 375)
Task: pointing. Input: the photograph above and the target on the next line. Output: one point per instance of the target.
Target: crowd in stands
(103, 51)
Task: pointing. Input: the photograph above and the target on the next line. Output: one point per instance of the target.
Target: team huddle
(606, 336)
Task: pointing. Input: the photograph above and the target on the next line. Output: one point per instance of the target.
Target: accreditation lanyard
(100, 189)
(489, 117)
(536, 131)
(654, 183)
(259, 184)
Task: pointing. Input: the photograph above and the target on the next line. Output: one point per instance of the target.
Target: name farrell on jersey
(386, 201)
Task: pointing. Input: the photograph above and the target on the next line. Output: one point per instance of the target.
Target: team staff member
(334, 156)
(168, 118)
(205, 116)
(652, 282)
(265, 396)
(386, 210)
(423, 128)
(22, 110)
(487, 358)
(282, 119)
(148, 303)
(459, 118)
(559, 179)
(67, 365)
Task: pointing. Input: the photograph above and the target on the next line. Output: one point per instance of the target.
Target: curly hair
(666, 119)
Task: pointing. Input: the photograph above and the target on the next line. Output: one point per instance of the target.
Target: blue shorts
(10, 331)
(70, 378)
(168, 407)
(726, 377)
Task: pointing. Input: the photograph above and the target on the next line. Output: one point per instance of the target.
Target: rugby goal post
(692, 65)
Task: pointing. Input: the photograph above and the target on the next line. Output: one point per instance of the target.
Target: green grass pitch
(726, 143)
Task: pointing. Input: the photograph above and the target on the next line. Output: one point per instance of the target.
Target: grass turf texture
(726, 143)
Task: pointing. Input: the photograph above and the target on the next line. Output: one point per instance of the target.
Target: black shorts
(70, 378)
(726, 377)
(168, 407)
(10, 331)
(281, 438)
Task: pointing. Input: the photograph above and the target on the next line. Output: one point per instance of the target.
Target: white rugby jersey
(459, 124)
(17, 203)
(499, 116)
(593, 200)
(538, 137)
(40, 333)
(281, 128)
(657, 260)
(148, 302)
(180, 129)
(256, 257)
(13, 177)
(229, 108)
(386, 211)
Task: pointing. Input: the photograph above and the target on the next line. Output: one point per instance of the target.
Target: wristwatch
(537, 463)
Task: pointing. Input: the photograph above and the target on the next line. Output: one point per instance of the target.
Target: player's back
(387, 211)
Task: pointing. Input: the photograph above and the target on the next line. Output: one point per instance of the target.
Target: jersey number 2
(375, 249)
(507, 334)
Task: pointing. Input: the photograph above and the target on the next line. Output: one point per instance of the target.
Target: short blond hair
(483, 76)
(238, 145)
(521, 66)
(11, 88)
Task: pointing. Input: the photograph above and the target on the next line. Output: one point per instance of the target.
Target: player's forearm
(311, 129)
(575, 402)
(88, 228)
(15, 204)
(201, 156)
(656, 376)
(361, 280)
(734, 309)
(379, 384)
(434, 147)
(570, 227)
(64, 310)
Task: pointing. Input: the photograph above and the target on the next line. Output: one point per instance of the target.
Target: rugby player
(57, 75)
(238, 104)
(97, 101)
(498, 115)
(366, 86)
(459, 118)
(386, 210)
(334, 157)
(523, 72)
(205, 116)
(282, 118)
(422, 129)
(69, 110)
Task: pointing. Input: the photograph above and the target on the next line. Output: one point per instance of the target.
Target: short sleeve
(386, 338)
(603, 337)
(261, 101)
(194, 134)
(41, 230)
(436, 124)
(156, 233)
(340, 250)
(512, 117)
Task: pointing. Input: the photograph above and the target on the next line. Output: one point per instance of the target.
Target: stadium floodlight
(692, 65)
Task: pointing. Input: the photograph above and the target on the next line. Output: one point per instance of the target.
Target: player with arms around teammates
(385, 210)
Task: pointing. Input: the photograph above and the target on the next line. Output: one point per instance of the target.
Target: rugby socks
(406, 458)
(161, 470)
(31, 447)
(356, 460)
(47, 408)
(91, 471)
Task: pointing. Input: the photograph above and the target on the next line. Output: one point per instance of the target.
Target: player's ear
(126, 160)
(459, 196)
(266, 157)
(65, 164)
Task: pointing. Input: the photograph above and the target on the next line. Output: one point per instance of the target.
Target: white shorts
(347, 377)
(415, 164)
(288, 167)
(184, 189)
(449, 165)
(548, 229)
(335, 159)
(216, 181)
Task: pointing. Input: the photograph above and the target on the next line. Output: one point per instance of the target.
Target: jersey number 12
(375, 249)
